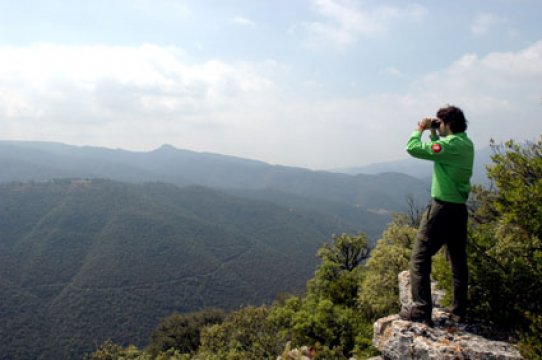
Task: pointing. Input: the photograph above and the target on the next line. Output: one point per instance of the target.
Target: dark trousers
(443, 223)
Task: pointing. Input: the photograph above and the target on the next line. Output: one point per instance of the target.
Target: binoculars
(435, 123)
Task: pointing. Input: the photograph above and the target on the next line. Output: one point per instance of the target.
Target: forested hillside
(82, 261)
(85, 260)
(335, 315)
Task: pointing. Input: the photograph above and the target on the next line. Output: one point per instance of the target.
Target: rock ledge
(401, 339)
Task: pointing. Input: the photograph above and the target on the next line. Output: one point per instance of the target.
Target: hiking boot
(416, 315)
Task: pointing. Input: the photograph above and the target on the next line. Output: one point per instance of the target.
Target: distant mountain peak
(166, 147)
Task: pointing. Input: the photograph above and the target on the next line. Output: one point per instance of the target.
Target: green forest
(82, 261)
(354, 285)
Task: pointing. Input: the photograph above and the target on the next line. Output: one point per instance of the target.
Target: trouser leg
(420, 270)
(456, 247)
(426, 245)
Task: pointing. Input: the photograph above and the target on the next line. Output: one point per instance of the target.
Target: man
(445, 220)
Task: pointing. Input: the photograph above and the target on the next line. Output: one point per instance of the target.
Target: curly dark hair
(453, 116)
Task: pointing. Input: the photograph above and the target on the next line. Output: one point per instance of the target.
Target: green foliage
(111, 351)
(337, 277)
(531, 341)
(82, 261)
(345, 295)
(344, 253)
(245, 334)
(320, 321)
(517, 174)
(442, 273)
(506, 247)
(379, 292)
(181, 332)
(328, 316)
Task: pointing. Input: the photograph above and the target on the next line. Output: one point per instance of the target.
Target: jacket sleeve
(435, 150)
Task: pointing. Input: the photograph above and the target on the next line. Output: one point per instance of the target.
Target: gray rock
(405, 296)
(401, 339)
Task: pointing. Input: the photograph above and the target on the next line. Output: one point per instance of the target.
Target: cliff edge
(401, 339)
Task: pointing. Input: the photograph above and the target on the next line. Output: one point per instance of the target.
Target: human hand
(424, 124)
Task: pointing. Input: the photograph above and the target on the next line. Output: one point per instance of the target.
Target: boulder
(402, 339)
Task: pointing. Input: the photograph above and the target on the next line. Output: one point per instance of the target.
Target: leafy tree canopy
(505, 243)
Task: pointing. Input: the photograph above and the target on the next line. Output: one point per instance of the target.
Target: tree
(337, 277)
(505, 241)
(327, 317)
(414, 211)
(379, 290)
(245, 334)
(111, 351)
(182, 331)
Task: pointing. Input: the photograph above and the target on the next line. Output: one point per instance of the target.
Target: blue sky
(311, 83)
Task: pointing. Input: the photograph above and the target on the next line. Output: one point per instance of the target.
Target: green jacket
(453, 157)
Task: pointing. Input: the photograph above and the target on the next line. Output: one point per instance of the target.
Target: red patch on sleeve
(436, 148)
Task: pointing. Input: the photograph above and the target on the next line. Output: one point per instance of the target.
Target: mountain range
(82, 261)
(100, 244)
(36, 161)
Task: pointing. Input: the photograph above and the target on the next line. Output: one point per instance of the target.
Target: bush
(245, 334)
(111, 351)
(328, 317)
(505, 250)
(181, 332)
(379, 292)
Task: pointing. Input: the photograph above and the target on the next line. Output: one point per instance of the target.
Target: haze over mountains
(38, 161)
(98, 243)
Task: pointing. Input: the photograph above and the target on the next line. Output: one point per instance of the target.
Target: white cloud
(141, 97)
(243, 21)
(500, 94)
(153, 77)
(508, 75)
(345, 21)
(55, 91)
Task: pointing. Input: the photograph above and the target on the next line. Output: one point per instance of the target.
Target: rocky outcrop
(401, 339)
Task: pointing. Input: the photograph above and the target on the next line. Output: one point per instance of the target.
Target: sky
(319, 84)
